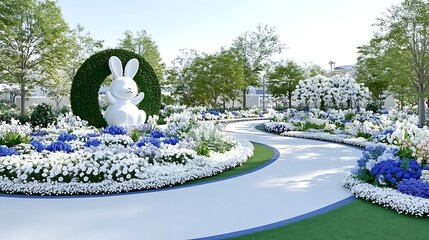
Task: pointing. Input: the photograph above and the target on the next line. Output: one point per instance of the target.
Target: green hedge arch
(92, 73)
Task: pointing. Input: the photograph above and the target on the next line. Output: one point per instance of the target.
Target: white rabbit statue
(121, 95)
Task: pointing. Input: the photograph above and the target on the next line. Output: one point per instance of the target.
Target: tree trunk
(422, 112)
(244, 99)
(22, 99)
(290, 99)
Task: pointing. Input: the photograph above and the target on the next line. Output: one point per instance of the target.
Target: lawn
(355, 221)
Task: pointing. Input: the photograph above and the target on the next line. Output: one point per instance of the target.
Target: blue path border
(284, 222)
(272, 160)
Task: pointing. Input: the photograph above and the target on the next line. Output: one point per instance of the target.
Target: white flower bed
(388, 197)
(359, 142)
(71, 158)
(156, 176)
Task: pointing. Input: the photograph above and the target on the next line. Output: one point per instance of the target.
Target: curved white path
(307, 176)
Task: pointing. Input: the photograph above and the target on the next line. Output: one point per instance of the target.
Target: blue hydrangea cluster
(66, 137)
(157, 134)
(7, 151)
(149, 140)
(373, 151)
(417, 188)
(115, 130)
(388, 131)
(91, 135)
(38, 145)
(214, 112)
(157, 141)
(39, 133)
(94, 142)
(58, 146)
(171, 141)
(390, 172)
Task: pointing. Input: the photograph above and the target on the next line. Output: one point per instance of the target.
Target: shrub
(92, 73)
(42, 116)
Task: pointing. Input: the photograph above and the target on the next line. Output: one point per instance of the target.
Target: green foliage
(365, 175)
(364, 135)
(92, 73)
(42, 115)
(219, 145)
(312, 70)
(215, 78)
(33, 42)
(142, 44)
(405, 153)
(349, 116)
(309, 125)
(179, 77)
(135, 135)
(82, 46)
(254, 50)
(11, 139)
(202, 149)
(373, 106)
(399, 50)
(283, 80)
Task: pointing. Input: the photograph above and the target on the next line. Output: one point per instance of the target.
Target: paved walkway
(307, 176)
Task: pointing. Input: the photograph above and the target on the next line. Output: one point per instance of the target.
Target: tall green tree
(82, 46)
(215, 78)
(142, 44)
(179, 76)
(312, 70)
(283, 80)
(33, 42)
(254, 50)
(404, 31)
(382, 70)
(372, 72)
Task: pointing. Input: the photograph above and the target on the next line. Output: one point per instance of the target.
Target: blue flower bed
(414, 187)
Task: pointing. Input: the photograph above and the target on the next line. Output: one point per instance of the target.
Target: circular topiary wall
(92, 73)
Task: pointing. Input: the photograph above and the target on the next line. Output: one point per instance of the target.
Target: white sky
(312, 30)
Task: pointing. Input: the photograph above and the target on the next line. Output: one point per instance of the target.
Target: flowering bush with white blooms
(72, 158)
(394, 168)
(340, 92)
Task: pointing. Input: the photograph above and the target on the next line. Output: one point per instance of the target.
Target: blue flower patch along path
(306, 177)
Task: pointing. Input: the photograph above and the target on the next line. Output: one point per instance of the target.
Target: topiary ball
(92, 73)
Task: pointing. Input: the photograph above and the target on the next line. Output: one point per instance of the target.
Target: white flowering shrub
(340, 92)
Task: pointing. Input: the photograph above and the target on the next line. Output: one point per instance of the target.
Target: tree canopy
(283, 80)
(142, 44)
(254, 50)
(399, 52)
(33, 42)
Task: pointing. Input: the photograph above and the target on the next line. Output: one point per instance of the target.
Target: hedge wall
(92, 73)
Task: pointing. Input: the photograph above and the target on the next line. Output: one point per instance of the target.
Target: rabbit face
(123, 88)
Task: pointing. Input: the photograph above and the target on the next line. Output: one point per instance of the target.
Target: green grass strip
(261, 155)
(357, 220)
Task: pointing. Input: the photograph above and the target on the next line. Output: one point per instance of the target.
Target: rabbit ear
(131, 68)
(115, 66)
